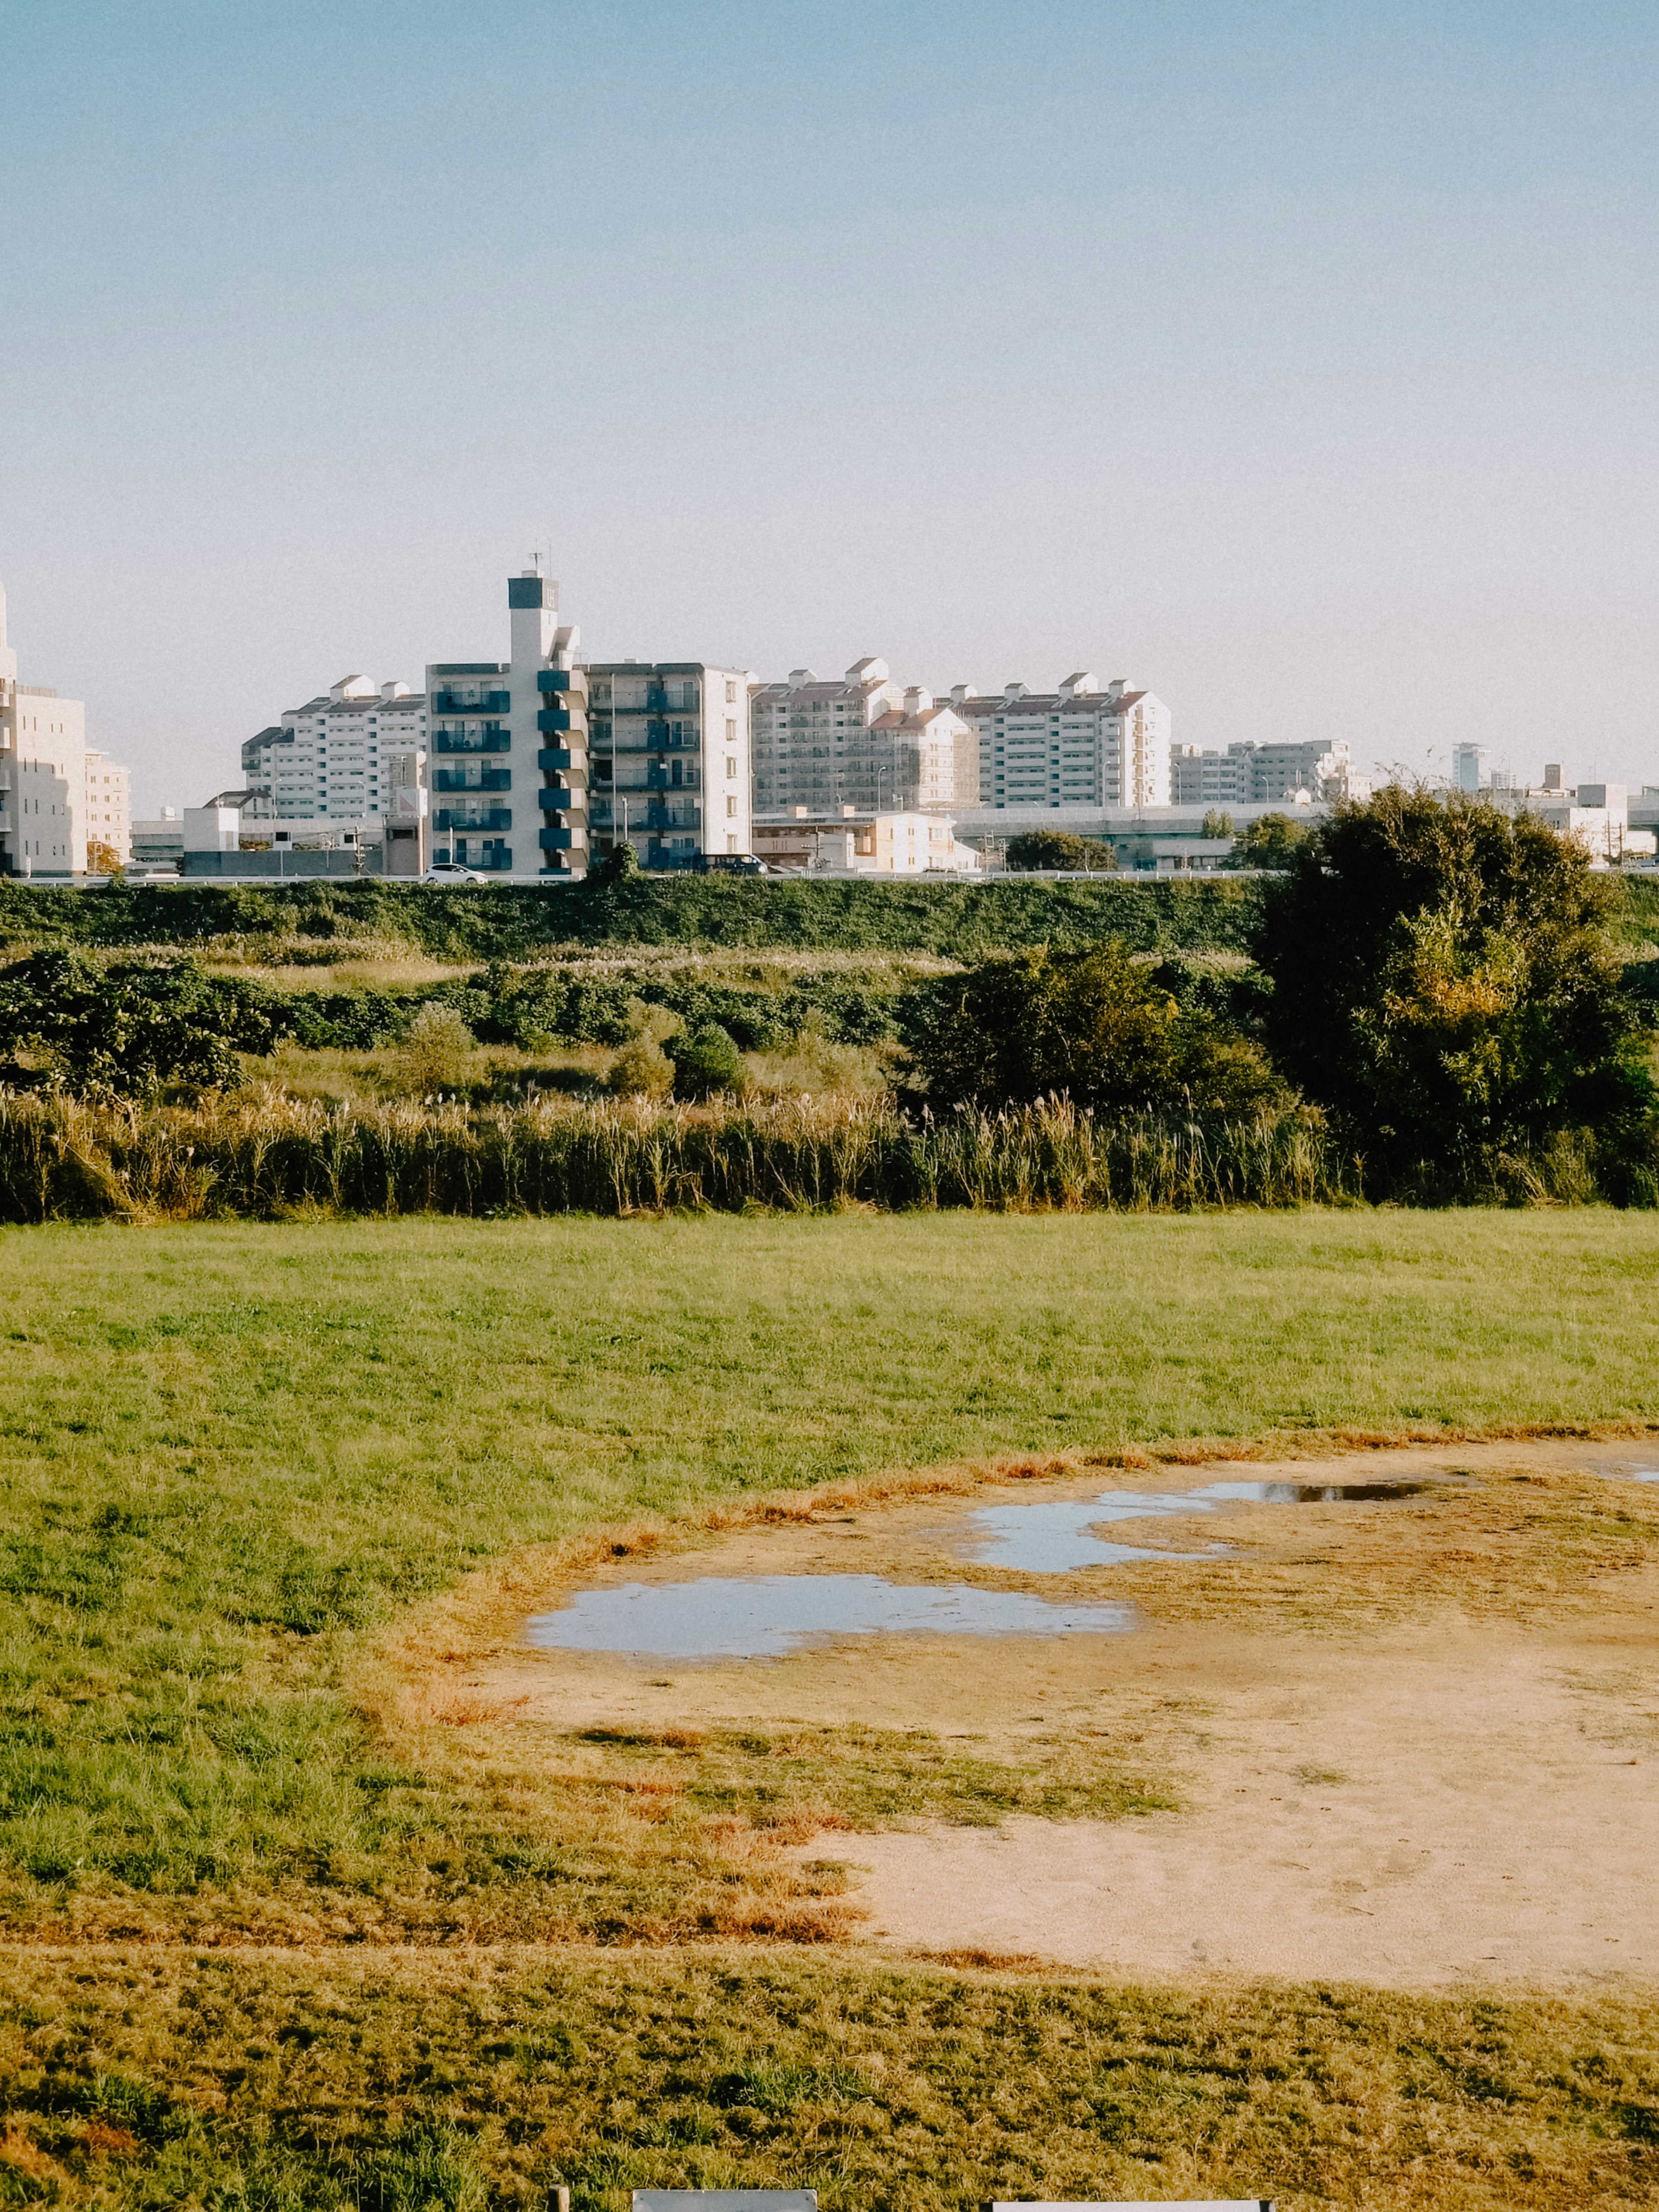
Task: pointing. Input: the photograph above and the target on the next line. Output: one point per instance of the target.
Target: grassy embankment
(698, 913)
(234, 1456)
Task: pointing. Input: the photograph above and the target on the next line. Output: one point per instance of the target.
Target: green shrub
(434, 1049)
(1093, 1027)
(133, 1026)
(706, 1062)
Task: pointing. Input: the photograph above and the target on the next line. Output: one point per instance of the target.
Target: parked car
(729, 864)
(453, 871)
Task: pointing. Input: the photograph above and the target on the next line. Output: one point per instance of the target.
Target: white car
(452, 871)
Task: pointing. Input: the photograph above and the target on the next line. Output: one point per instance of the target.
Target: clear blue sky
(1299, 360)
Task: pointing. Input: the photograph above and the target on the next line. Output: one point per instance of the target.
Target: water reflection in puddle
(1052, 1539)
(763, 1616)
(1621, 1470)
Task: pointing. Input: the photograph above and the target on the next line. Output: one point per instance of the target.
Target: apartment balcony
(474, 779)
(657, 816)
(492, 739)
(559, 798)
(556, 837)
(554, 718)
(557, 679)
(481, 702)
(657, 779)
(473, 817)
(553, 761)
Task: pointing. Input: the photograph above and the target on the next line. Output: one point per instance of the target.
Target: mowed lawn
(231, 1454)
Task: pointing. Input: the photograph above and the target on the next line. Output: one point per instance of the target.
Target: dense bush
(1093, 1027)
(1059, 849)
(133, 1025)
(706, 1062)
(1445, 978)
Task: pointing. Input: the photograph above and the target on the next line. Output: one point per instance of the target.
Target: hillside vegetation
(513, 921)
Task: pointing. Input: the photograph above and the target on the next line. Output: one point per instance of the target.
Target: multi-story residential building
(1265, 775)
(507, 742)
(43, 775)
(1083, 746)
(108, 809)
(865, 742)
(328, 760)
(670, 762)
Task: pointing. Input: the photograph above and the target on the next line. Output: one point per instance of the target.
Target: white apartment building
(329, 760)
(1085, 744)
(670, 753)
(43, 775)
(863, 741)
(508, 747)
(108, 808)
(1265, 775)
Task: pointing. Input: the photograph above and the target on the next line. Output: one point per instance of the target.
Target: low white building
(1265, 775)
(109, 810)
(863, 741)
(1595, 815)
(1086, 744)
(846, 840)
(43, 775)
(328, 759)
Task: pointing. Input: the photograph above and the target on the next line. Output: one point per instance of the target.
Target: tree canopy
(1059, 850)
(1443, 979)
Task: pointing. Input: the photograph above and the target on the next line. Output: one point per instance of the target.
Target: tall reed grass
(264, 1155)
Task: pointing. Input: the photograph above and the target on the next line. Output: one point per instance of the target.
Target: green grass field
(232, 1454)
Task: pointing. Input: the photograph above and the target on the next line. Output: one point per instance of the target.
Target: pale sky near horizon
(1296, 361)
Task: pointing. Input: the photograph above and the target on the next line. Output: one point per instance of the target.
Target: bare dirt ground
(1417, 1742)
(1475, 1806)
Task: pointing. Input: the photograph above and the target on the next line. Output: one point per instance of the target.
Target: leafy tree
(705, 1061)
(1445, 978)
(1217, 823)
(1059, 848)
(1270, 841)
(1092, 1026)
(135, 1025)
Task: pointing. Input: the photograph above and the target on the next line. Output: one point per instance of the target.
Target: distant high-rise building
(43, 775)
(1266, 774)
(327, 761)
(1468, 767)
(1086, 744)
(864, 742)
(108, 809)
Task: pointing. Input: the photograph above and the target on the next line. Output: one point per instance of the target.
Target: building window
(731, 806)
(731, 764)
(731, 731)
(731, 695)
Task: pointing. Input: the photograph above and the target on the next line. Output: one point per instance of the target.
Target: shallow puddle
(1053, 1539)
(1621, 1470)
(765, 1616)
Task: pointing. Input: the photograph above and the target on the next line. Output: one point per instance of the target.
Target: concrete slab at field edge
(727, 2200)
